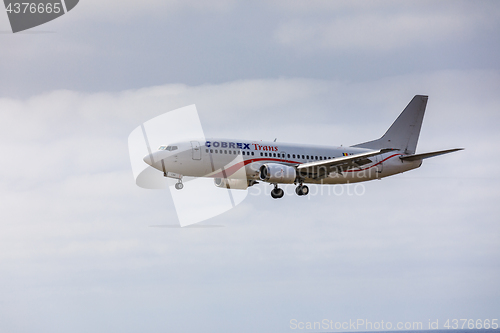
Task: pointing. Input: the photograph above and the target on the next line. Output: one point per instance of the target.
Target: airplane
(239, 164)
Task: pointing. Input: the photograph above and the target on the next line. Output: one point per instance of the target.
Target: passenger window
(288, 155)
(261, 154)
(307, 156)
(229, 152)
(216, 151)
(274, 154)
(225, 151)
(252, 153)
(211, 150)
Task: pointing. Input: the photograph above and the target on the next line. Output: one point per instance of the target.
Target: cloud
(75, 228)
(122, 11)
(61, 129)
(382, 27)
(77, 252)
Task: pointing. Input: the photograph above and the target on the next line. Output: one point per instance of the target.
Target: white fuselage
(221, 158)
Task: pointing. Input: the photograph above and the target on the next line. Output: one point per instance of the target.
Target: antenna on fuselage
(275, 139)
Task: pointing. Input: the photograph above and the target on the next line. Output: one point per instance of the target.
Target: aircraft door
(195, 145)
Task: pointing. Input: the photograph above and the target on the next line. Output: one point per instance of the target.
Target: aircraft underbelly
(238, 169)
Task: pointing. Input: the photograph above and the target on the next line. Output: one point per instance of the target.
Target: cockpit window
(169, 148)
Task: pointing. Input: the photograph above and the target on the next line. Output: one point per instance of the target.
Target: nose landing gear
(177, 176)
(179, 185)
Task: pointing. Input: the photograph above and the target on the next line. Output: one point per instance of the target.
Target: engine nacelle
(233, 184)
(277, 173)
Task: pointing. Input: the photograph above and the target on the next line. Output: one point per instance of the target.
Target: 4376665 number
(471, 324)
(34, 8)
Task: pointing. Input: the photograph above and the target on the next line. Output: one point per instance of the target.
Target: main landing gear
(302, 190)
(277, 193)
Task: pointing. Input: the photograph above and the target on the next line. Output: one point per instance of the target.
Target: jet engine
(277, 173)
(233, 184)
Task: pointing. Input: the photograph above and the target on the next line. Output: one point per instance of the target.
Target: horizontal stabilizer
(427, 155)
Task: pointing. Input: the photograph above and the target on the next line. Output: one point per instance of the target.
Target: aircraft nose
(149, 159)
(153, 158)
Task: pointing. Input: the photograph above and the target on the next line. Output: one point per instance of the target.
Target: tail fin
(403, 133)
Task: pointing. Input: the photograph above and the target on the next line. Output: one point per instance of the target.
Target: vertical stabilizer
(403, 133)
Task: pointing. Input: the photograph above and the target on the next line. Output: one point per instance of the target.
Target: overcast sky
(80, 250)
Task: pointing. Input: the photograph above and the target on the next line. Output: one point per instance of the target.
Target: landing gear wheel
(277, 193)
(305, 190)
(179, 186)
(302, 190)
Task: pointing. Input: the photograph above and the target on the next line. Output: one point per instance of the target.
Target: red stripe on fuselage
(385, 159)
(232, 169)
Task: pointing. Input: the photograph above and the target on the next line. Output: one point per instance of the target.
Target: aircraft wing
(320, 169)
